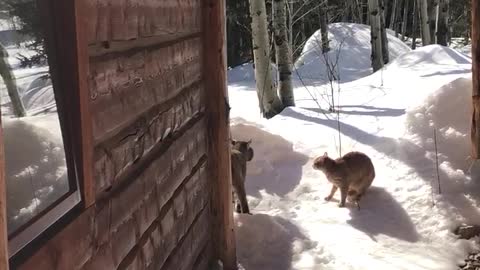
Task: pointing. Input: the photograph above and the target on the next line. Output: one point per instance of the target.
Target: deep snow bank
(350, 49)
(431, 54)
(36, 172)
(448, 110)
(349, 42)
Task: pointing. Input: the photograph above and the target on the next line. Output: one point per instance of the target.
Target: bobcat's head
(244, 148)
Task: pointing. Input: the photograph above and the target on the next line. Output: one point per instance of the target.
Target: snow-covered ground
(404, 223)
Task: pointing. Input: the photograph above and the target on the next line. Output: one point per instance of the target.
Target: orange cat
(352, 174)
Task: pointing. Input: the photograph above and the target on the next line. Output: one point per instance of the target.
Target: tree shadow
(450, 72)
(380, 213)
(366, 110)
(276, 167)
(266, 242)
(411, 155)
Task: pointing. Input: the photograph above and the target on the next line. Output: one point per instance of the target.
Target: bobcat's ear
(249, 154)
(249, 142)
(325, 154)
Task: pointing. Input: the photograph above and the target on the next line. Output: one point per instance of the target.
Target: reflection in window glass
(36, 170)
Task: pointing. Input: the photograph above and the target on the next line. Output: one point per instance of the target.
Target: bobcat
(353, 174)
(241, 153)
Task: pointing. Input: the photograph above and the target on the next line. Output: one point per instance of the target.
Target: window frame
(68, 62)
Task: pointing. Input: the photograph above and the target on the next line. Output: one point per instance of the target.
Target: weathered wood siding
(147, 103)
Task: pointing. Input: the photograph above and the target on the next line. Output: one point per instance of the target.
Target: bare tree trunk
(392, 15)
(359, 11)
(475, 126)
(346, 11)
(425, 29)
(442, 22)
(432, 15)
(356, 11)
(376, 34)
(9, 80)
(365, 16)
(324, 27)
(268, 100)
(368, 13)
(398, 17)
(467, 33)
(303, 31)
(290, 23)
(383, 29)
(283, 53)
(414, 25)
(405, 18)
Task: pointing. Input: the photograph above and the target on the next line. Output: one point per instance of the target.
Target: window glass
(35, 163)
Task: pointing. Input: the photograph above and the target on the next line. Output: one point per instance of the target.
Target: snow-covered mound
(33, 84)
(431, 54)
(460, 45)
(36, 171)
(242, 75)
(350, 51)
(448, 110)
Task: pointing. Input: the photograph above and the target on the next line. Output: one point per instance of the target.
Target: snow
(351, 45)
(36, 170)
(460, 45)
(404, 222)
(35, 165)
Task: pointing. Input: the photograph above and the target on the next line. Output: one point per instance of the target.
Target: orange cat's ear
(325, 154)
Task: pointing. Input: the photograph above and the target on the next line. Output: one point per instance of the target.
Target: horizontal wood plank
(165, 197)
(128, 46)
(126, 87)
(131, 19)
(191, 244)
(71, 248)
(164, 175)
(114, 157)
(175, 221)
(102, 259)
(204, 259)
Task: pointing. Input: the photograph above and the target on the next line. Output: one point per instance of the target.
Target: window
(41, 186)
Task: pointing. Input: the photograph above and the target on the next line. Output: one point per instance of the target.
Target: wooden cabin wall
(149, 132)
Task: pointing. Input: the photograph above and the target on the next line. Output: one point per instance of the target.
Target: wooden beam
(214, 76)
(3, 208)
(475, 128)
(84, 103)
(70, 18)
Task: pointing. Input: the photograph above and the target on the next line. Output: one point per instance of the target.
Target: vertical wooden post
(77, 120)
(475, 129)
(3, 208)
(215, 80)
(85, 118)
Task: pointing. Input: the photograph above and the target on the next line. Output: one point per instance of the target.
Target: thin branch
(306, 13)
(436, 160)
